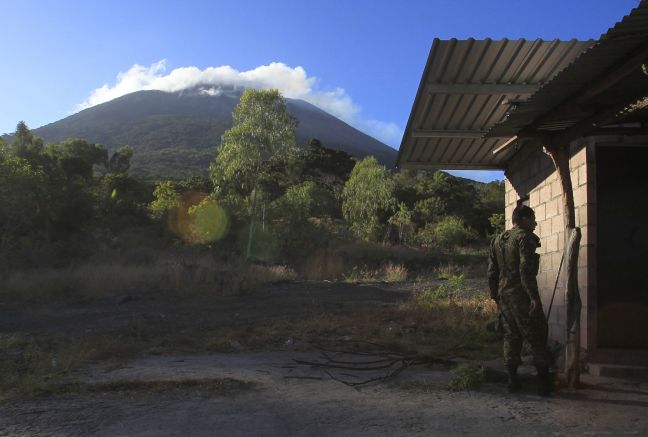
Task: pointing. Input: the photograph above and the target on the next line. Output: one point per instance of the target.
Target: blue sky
(360, 59)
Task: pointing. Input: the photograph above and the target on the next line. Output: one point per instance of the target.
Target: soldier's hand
(535, 304)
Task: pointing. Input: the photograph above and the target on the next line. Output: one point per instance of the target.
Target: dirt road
(282, 398)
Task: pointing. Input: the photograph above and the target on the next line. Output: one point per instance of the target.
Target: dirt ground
(170, 312)
(285, 399)
(275, 389)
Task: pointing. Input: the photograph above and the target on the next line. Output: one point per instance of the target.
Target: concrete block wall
(531, 175)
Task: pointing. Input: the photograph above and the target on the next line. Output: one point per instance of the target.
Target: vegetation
(273, 201)
(74, 222)
(368, 197)
(466, 377)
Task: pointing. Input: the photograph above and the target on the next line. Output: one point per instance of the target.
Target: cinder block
(551, 208)
(582, 175)
(582, 215)
(561, 241)
(542, 249)
(589, 235)
(553, 176)
(552, 243)
(534, 198)
(545, 193)
(582, 256)
(540, 212)
(557, 224)
(580, 195)
(555, 260)
(583, 277)
(556, 189)
(579, 158)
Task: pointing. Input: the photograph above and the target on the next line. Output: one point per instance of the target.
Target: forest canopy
(268, 198)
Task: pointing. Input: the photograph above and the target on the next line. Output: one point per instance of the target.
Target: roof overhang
(468, 86)
(603, 91)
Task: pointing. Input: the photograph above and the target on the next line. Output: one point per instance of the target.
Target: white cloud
(291, 82)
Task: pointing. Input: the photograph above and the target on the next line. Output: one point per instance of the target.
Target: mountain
(176, 134)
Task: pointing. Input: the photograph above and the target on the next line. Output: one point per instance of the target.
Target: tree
(329, 169)
(25, 145)
(261, 139)
(262, 135)
(166, 196)
(368, 198)
(402, 220)
(78, 157)
(23, 199)
(120, 161)
(444, 195)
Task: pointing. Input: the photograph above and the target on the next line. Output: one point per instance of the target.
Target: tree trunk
(560, 157)
(252, 217)
(573, 304)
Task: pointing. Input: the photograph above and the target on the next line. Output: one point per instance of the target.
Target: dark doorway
(622, 247)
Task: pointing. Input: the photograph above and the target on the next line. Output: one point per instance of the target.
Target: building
(566, 121)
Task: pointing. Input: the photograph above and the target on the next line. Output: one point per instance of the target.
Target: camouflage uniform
(512, 269)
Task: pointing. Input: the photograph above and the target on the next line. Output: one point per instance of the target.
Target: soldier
(512, 269)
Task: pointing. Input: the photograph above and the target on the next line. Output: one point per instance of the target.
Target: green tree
(444, 195)
(402, 220)
(25, 144)
(368, 198)
(166, 196)
(23, 200)
(261, 139)
(263, 134)
(497, 222)
(77, 157)
(120, 161)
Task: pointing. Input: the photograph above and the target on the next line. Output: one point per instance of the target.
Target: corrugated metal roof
(461, 93)
(606, 77)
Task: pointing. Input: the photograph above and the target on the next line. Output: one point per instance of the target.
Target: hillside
(176, 134)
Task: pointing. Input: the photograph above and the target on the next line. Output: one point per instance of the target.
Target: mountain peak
(176, 133)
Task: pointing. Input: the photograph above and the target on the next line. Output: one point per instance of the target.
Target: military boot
(513, 380)
(545, 381)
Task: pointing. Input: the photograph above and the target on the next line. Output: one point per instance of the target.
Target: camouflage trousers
(520, 326)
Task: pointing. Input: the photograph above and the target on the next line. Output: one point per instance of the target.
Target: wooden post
(560, 156)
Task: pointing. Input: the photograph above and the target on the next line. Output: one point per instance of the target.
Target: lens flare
(209, 221)
(198, 219)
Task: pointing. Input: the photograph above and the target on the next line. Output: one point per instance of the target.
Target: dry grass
(30, 366)
(92, 279)
(451, 305)
(389, 272)
(449, 270)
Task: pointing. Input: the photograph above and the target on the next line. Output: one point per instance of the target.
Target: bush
(466, 377)
(452, 231)
(497, 222)
(426, 236)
